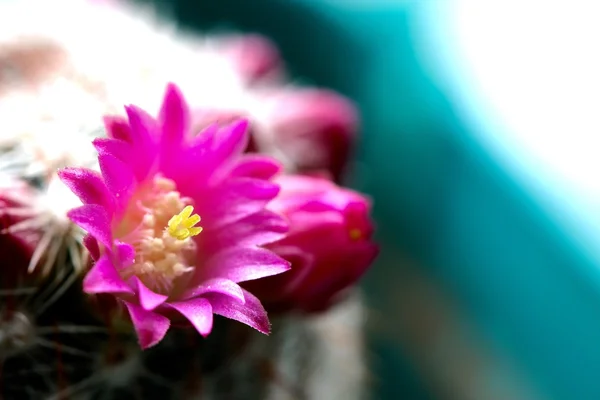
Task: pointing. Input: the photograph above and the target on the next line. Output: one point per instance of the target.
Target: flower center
(163, 240)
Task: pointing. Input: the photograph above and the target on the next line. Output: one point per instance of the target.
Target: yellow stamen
(162, 237)
(181, 226)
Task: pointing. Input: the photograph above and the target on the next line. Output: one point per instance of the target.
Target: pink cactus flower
(255, 57)
(329, 244)
(308, 130)
(312, 129)
(176, 221)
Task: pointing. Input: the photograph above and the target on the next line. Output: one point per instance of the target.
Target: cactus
(58, 342)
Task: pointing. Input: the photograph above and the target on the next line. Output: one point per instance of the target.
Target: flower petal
(209, 156)
(230, 141)
(174, 119)
(251, 312)
(233, 200)
(104, 278)
(93, 219)
(256, 166)
(198, 311)
(241, 264)
(143, 139)
(88, 185)
(149, 300)
(225, 287)
(256, 229)
(91, 244)
(203, 140)
(118, 128)
(118, 148)
(193, 161)
(150, 327)
(118, 177)
(125, 253)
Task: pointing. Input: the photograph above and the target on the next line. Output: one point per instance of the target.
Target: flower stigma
(164, 237)
(181, 226)
(355, 234)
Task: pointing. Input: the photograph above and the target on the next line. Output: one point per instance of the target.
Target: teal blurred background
(480, 291)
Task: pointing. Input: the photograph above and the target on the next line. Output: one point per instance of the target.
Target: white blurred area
(124, 54)
(525, 76)
(70, 62)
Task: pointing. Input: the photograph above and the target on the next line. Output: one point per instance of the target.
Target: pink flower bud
(253, 56)
(315, 129)
(329, 244)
